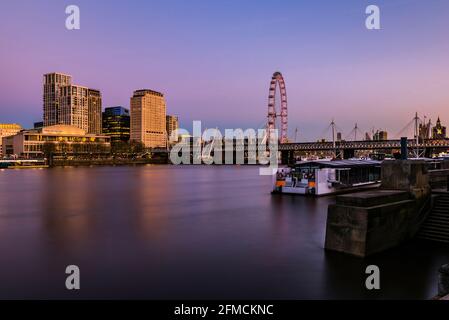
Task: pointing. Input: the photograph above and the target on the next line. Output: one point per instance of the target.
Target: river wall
(365, 223)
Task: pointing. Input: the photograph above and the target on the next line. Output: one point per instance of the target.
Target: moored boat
(327, 177)
(23, 164)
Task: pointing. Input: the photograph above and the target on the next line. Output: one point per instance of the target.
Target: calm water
(184, 233)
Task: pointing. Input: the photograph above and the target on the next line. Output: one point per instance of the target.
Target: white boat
(327, 177)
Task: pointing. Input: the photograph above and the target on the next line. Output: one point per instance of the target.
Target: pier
(405, 206)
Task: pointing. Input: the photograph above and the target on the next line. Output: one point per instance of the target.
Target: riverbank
(105, 162)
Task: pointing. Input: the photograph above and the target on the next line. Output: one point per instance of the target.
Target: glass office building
(116, 123)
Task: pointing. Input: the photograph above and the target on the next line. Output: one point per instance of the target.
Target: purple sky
(214, 59)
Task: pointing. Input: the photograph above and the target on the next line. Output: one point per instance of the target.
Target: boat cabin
(325, 177)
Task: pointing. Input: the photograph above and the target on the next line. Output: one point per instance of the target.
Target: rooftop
(63, 129)
(142, 92)
(60, 130)
(339, 163)
(13, 126)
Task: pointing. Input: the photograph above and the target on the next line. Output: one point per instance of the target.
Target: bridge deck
(362, 145)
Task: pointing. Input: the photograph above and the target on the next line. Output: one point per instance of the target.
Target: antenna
(417, 134)
(333, 136)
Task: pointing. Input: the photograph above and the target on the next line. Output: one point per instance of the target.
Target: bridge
(363, 145)
(347, 149)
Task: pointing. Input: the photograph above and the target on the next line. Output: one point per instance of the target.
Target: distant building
(53, 82)
(380, 135)
(7, 130)
(94, 111)
(339, 136)
(65, 139)
(172, 124)
(38, 125)
(424, 131)
(148, 118)
(367, 136)
(116, 123)
(439, 132)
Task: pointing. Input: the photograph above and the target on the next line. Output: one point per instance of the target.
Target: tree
(137, 147)
(120, 147)
(48, 149)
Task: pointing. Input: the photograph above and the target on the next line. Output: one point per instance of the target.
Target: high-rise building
(439, 132)
(53, 82)
(116, 123)
(172, 124)
(74, 107)
(94, 111)
(65, 103)
(6, 130)
(148, 122)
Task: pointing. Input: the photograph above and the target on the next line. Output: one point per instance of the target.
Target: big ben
(439, 132)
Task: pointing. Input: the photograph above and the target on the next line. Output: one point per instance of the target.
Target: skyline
(399, 69)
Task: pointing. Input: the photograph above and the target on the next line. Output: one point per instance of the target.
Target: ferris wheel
(273, 113)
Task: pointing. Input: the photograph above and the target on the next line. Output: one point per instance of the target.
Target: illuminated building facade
(74, 107)
(7, 130)
(69, 104)
(94, 111)
(439, 132)
(116, 123)
(148, 118)
(172, 124)
(53, 82)
(63, 139)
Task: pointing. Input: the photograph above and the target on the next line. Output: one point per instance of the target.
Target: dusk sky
(214, 59)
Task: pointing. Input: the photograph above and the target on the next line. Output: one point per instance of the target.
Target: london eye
(273, 113)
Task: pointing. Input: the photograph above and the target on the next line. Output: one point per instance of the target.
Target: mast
(333, 137)
(417, 135)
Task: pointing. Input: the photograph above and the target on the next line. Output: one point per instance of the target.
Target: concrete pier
(407, 175)
(368, 222)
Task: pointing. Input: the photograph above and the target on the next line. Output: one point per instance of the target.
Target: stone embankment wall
(364, 223)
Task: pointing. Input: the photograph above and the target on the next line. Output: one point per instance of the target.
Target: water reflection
(184, 232)
(66, 202)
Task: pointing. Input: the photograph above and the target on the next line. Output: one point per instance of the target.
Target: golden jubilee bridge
(429, 145)
(418, 146)
(348, 149)
(433, 144)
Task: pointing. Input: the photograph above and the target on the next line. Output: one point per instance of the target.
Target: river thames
(192, 232)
